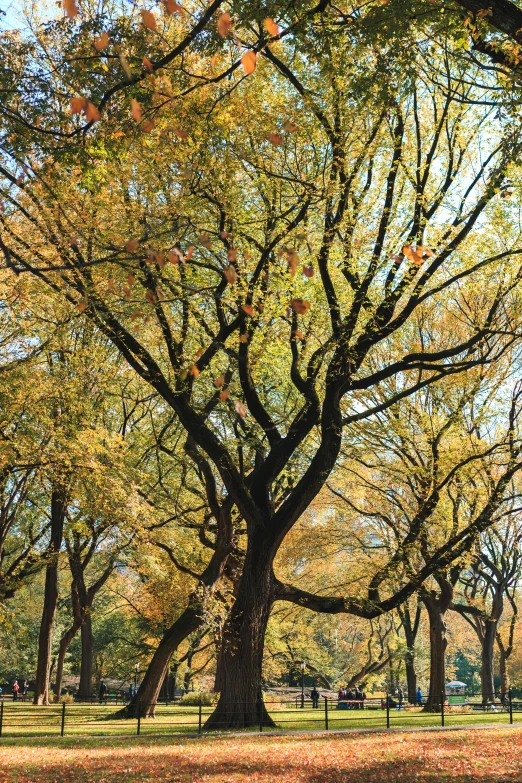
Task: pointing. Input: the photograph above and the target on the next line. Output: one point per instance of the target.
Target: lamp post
(136, 670)
(303, 667)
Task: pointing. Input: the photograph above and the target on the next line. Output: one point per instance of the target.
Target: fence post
(139, 719)
(442, 700)
(260, 707)
(199, 714)
(387, 711)
(63, 720)
(1, 717)
(510, 707)
(326, 712)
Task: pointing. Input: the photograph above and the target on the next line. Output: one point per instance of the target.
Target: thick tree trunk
(486, 669)
(64, 646)
(437, 608)
(41, 690)
(150, 687)
(85, 688)
(240, 701)
(504, 676)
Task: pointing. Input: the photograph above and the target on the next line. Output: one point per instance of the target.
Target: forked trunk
(87, 639)
(240, 702)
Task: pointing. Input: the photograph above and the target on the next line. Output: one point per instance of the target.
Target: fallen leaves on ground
(493, 756)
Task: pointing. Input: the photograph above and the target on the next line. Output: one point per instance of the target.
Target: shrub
(193, 699)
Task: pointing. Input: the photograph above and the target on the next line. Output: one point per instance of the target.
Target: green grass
(26, 720)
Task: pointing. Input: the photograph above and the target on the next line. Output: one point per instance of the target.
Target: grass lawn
(492, 756)
(21, 720)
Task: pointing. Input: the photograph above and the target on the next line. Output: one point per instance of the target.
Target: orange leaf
(131, 246)
(111, 285)
(136, 314)
(298, 335)
(180, 133)
(249, 62)
(292, 257)
(136, 110)
(243, 338)
(127, 291)
(149, 20)
(204, 238)
(231, 275)
(175, 256)
(290, 127)
(270, 26)
(82, 304)
(78, 105)
(70, 8)
(224, 24)
(147, 64)
(417, 254)
(308, 271)
(223, 395)
(130, 278)
(194, 371)
(102, 42)
(300, 305)
(240, 409)
(190, 253)
(219, 382)
(92, 113)
(148, 125)
(275, 138)
(232, 254)
(248, 309)
(172, 7)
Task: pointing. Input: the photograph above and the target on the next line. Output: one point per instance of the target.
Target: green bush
(193, 699)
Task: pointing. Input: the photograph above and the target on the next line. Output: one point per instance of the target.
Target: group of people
(355, 697)
(20, 691)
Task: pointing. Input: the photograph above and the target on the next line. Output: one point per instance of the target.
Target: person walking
(16, 688)
(419, 697)
(314, 695)
(25, 690)
(102, 692)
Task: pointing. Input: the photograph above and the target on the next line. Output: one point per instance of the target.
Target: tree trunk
(504, 676)
(411, 676)
(85, 688)
(438, 644)
(64, 646)
(487, 681)
(41, 690)
(150, 686)
(240, 701)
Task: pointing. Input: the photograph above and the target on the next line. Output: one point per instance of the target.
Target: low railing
(22, 719)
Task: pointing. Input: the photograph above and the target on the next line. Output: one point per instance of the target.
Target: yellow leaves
(136, 110)
(149, 20)
(91, 111)
(224, 24)
(249, 62)
(290, 127)
(301, 306)
(70, 8)
(416, 254)
(248, 309)
(240, 409)
(131, 245)
(102, 42)
(271, 27)
(219, 382)
(275, 138)
(231, 275)
(147, 65)
(204, 239)
(82, 304)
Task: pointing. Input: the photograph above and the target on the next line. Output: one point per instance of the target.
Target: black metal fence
(22, 719)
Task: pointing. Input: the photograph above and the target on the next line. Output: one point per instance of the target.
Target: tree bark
(437, 608)
(240, 702)
(62, 650)
(486, 669)
(87, 639)
(41, 690)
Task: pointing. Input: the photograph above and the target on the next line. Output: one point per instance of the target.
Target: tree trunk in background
(240, 702)
(64, 646)
(41, 690)
(411, 675)
(411, 627)
(437, 607)
(87, 639)
(486, 669)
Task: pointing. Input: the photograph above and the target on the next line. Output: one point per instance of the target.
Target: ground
(477, 756)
